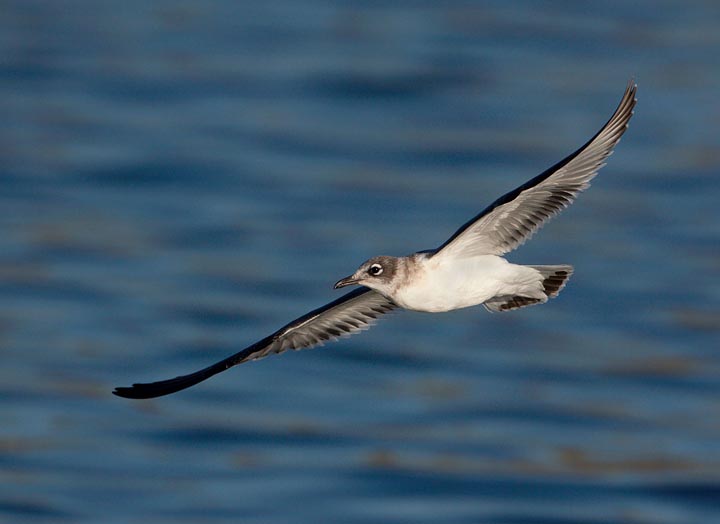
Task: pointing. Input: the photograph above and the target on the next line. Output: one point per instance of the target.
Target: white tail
(554, 279)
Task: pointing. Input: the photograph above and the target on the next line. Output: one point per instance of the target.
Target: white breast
(442, 285)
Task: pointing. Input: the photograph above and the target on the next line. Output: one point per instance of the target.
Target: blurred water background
(180, 178)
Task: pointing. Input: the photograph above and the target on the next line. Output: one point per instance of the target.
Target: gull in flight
(467, 270)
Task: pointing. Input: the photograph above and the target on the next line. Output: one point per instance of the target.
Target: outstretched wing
(349, 314)
(514, 217)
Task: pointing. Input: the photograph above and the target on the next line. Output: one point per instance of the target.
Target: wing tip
(149, 390)
(132, 392)
(629, 99)
(173, 385)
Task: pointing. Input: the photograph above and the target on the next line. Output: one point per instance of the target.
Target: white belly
(437, 287)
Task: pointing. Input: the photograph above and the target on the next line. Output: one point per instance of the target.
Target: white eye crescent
(375, 270)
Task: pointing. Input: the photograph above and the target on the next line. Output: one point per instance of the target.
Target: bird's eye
(375, 270)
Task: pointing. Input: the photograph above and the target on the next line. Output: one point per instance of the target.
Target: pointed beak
(348, 281)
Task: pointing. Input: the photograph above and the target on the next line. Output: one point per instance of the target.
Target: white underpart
(443, 285)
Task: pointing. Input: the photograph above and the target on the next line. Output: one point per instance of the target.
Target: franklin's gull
(467, 270)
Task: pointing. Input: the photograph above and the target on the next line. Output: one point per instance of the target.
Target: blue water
(179, 179)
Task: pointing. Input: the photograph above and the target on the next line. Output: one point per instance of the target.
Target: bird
(466, 270)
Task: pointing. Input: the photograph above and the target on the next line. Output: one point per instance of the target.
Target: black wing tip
(163, 387)
(137, 392)
(126, 392)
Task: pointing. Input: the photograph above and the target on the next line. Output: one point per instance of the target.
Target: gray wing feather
(513, 218)
(356, 311)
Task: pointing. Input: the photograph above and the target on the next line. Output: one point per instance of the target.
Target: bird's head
(377, 273)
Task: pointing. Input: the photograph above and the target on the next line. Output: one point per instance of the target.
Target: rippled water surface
(180, 178)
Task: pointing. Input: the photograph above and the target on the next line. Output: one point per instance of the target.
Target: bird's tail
(554, 278)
